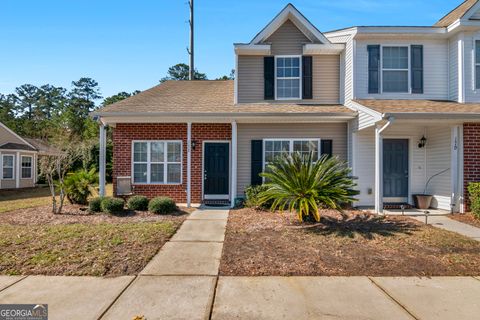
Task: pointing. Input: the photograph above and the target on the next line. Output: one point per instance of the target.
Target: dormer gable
(293, 16)
(288, 30)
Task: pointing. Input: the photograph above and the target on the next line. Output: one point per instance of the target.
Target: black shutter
(327, 147)
(373, 68)
(307, 92)
(257, 164)
(269, 77)
(417, 68)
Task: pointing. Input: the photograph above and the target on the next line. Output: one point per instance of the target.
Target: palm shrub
(474, 196)
(80, 185)
(297, 183)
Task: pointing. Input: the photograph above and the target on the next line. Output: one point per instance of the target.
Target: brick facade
(471, 156)
(124, 134)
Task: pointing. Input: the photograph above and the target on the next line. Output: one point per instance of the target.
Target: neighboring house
(18, 159)
(400, 104)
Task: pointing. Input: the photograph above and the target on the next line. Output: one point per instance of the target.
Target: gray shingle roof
(207, 97)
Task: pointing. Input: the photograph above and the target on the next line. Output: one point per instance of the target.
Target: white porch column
(102, 159)
(379, 165)
(18, 171)
(378, 170)
(189, 164)
(454, 169)
(234, 164)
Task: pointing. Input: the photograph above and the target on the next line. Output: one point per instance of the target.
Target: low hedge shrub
(162, 205)
(95, 204)
(139, 203)
(474, 196)
(252, 197)
(112, 205)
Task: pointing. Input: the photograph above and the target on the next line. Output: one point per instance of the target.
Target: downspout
(379, 164)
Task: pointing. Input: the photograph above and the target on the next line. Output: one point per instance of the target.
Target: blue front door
(395, 170)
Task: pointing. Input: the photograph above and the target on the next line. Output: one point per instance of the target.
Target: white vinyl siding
(364, 160)
(346, 69)
(157, 162)
(435, 69)
(453, 69)
(472, 94)
(423, 162)
(438, 152)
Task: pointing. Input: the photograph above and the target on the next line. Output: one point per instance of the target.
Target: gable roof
(16, 146)
(16, 135)
(43, 147)
(206, 98)
(290, 13)
(457, 13)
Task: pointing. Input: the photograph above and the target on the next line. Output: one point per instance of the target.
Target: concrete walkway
(182, 282)
(446, 223)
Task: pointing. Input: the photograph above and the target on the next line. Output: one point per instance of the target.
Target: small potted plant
(424, 200)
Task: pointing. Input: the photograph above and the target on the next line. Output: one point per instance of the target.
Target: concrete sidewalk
(182, 282)
(192, 297)
(444, 222)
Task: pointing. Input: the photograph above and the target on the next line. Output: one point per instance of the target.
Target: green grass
(81, 249)
(29, 198)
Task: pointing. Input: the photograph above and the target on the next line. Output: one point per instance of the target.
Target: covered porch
(396, 159)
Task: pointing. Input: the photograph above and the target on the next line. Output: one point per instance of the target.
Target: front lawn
(30, 197)
(34, 241)
(259, 243)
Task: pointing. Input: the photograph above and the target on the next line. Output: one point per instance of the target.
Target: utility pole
(191, 75)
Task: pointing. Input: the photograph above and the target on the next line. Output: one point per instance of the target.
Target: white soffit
(319, 49)
(253, 49)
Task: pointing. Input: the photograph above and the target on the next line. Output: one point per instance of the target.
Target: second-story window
(288, 77)
(395, 69)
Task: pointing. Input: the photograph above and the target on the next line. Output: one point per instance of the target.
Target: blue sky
(127, 45)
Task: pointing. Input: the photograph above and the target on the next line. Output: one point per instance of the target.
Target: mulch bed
(78, 214)
(260, 243)
(467, 218)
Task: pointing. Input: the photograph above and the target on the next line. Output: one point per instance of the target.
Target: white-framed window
(27, 166)
(274, 148)
(8, 167)
(395, 69)
(477, 64)
(157, 162)
(288, 76)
